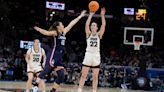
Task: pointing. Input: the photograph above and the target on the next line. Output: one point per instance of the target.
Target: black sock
(53, 90)
(35, 83)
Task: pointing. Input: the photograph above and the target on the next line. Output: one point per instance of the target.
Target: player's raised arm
(102, 28)
(87, 28)
(45, 32)
(73, 22)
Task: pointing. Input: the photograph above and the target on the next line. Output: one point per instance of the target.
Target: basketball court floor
(7, 86)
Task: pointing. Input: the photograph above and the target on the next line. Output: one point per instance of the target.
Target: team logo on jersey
(93, 39)
(62, 38)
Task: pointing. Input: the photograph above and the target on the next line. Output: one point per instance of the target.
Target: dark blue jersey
(59, 42)
(54, 55)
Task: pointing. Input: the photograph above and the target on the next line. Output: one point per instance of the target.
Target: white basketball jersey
(93, 43)
(35, 57)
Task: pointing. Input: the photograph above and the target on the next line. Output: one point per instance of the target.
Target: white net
(137, 45)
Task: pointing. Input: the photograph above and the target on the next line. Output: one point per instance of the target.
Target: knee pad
(60, 77)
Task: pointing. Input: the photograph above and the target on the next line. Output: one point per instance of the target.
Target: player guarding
(54, 58)
(33, 58)
(92, 55)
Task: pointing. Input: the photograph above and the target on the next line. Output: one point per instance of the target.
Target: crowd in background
(18, 19)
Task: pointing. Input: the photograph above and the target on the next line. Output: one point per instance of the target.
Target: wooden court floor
(7, 86)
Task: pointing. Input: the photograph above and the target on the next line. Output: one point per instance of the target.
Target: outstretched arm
(45, 32)
(73, 22)
(87, 29)
(102, 28)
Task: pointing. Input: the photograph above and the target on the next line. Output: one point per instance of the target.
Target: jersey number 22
(93, 43)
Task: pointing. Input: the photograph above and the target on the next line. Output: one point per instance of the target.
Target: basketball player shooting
(92, 55)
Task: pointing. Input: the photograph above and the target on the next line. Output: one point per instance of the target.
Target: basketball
(93, 6)
(35, 89)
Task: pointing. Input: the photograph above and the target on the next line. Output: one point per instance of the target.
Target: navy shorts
(54, 58)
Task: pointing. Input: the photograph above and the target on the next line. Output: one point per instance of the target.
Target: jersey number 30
(93, 44)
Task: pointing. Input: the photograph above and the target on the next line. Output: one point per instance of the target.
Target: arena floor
(7, 86)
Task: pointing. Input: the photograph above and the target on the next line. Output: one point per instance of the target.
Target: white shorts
(91, 59)
(35, 69)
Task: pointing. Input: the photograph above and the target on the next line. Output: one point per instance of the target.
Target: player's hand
(36, 28)
(91, 13)
(43, 65)
(83, 13)
(103, 11)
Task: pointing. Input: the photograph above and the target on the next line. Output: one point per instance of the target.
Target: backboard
(144, 35)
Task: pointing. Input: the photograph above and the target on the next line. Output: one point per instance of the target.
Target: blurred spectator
(157, 83)
(18, 71)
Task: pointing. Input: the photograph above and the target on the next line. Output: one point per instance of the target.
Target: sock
(79, 90)
(53, 90)
(35, 83)
(27, 90)
(94, 91)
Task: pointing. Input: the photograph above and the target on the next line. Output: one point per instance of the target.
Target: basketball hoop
(137, 45)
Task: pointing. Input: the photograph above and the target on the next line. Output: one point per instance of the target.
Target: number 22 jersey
(93, 43)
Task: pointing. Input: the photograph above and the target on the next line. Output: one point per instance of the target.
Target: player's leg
(84, 74)
(60, 78)
(42, 84)
(39, 78)
(57, 58)
(95, 72)
(29, 81)
(86, 63)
